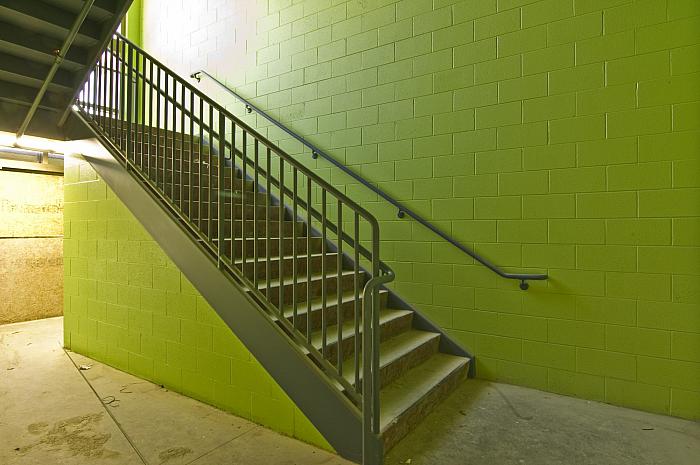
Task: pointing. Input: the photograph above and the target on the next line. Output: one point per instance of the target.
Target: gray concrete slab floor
(52, 413)
(485, 423)
(49, 414)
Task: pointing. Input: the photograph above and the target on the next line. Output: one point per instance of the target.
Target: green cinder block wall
(553, 135)
(128, 305)
(556, 135)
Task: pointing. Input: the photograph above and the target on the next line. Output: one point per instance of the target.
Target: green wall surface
(560, 136)
(128, 305)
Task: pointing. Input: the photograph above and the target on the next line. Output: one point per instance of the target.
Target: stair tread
(416, 383)
(385, 316)
(393, 349)
(286, 257)
(316, 303)
(302, 279)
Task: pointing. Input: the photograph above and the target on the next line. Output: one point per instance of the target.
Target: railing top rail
(402, 209)
(266, 142)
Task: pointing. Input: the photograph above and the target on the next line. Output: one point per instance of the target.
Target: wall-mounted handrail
(402, 209)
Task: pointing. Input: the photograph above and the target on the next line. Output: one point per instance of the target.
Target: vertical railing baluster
(356, 283)
(158, 128)
(256, 161)
(339, 296)
(103, 92)
(122, 97)
(280, 226)
(295, 270)
(308, 259)
(142, 118)
(268, 199)
(129, 109)
(113, 90)
(324, 322)
(233, 203)
(200, 186)
(210, 169)
(375, 333)
(152, 146)
(151, 119)
(94, 79)
(172, 135)
(109, 95)
(166, 121)
(182, 143)
(244, 216)
(222, 186)
(190, 169)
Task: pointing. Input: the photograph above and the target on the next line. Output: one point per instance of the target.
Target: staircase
(303, 255)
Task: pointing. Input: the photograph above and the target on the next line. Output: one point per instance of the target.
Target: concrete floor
(49, 413)
(485, 423)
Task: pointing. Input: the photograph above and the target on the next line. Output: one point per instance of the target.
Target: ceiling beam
(23, 70)
(48, 17)
(30, 45)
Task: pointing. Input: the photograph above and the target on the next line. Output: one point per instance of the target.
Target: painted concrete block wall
(31, 228)
(127, 305)
(556, 135)
(553, 135)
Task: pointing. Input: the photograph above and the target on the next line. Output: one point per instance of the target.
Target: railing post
(372, 450)
(220, 184)
(129, 106)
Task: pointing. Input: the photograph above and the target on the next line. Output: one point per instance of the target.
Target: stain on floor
(173, 453)
(76, 436)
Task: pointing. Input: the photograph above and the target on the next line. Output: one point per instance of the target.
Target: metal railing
(402, 209)
(243, 203)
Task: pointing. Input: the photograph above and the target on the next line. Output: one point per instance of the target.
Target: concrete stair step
(258, 267)
(202, 210)
(203, 193)
(314, 285)
(255, 228)
(347, 309)
(391, 323)
(409, 398)
(273, 242)
(398, 355)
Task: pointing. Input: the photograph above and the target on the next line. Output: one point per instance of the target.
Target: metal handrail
(402, 209)
(142, 118)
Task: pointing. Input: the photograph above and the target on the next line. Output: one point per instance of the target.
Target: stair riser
(347, 311)
(144, 147)
(408, 420)
(138, 128)
(203, 194)
(414, 358)
(387, 330)
(203, 225)
(202, 211)
(288, 229)
(195, 180)
(198, 181)
(315, 288)
(251, 269)
(274, 247)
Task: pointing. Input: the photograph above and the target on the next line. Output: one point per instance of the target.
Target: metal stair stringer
(336, 418)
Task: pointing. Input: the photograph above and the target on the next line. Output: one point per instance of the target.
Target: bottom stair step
(406, 401)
